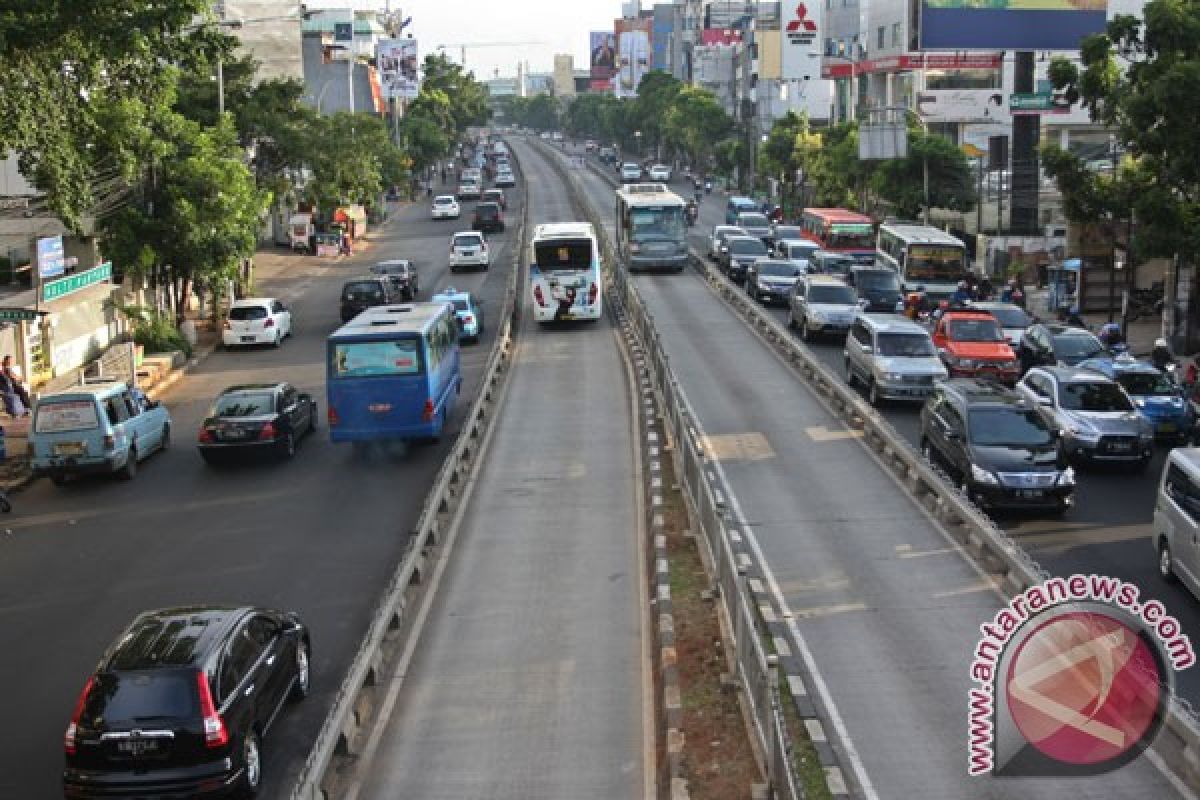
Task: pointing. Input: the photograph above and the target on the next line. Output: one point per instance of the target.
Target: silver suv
(821, 304)
(1099, 422)
(893, 357)
(1177, 519)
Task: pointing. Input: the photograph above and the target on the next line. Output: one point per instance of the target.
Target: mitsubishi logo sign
(801, 30)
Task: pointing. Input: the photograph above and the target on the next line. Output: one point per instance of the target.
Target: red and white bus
(837, 230)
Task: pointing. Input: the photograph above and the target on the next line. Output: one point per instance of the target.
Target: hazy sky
(559, 26)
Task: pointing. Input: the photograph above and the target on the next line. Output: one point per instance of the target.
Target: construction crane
(462, 47)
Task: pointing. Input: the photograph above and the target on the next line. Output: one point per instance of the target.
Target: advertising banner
(800, 61)
(720, 36)
(398, 72)
(962, 105)
(603, 47)
(51, 259)
(633, 55)
(1009, 24)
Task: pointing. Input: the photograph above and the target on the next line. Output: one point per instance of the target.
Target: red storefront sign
(912, 61)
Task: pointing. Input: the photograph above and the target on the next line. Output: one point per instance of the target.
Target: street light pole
(220, 85)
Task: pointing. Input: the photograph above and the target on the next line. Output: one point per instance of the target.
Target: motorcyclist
(1161, 355)
(1071, 317)
(962, 294)
(692, 211)
(912, 305)
(1110, 335)
(708, 186)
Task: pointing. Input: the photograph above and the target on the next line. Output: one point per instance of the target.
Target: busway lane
(889, 610)
(527, 682)
(1108, 531)
(320, 535)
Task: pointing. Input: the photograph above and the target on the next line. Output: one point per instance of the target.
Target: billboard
(800, 61)
(603, 47)
(1009, 24)
(720, 36)
(633, 55)
(963, 105)
(51, 258)
(398, 75)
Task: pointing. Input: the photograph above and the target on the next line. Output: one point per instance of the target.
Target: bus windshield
(664, 223)
(563, 255)
(934, 263)
(372, 359)
(850, 237)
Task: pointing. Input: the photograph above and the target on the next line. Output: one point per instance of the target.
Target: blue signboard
(51, 259)
(1009, 24)
(343, 31)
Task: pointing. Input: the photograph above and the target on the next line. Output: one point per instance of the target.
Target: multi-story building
(564, 75)
(337, 73)
(713, 68)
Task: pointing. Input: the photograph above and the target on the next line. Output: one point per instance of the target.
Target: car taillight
(468, 318)
(592, 292)
(332, 415)
(270, 323)
(205, 436)
(538, 296)
(215, 732)
(73, 725)
(267, 432)
(110, 441)
(427, 414)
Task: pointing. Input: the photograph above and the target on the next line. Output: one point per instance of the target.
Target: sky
(557, 26)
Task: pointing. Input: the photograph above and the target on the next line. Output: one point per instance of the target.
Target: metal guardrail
(356, 701)
(745, 604)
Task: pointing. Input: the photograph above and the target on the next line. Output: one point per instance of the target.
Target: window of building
(895, 34)
(880, 41)
(962, 79)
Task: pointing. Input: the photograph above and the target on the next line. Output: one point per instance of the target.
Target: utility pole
(1026, 130)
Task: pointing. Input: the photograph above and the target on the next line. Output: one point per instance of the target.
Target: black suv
(488, 218)
(179, 703)
(739, 253)
(402, 275)
(878, 287)
(996, 447)
(359, 294)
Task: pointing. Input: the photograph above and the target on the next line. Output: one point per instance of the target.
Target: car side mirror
(866, 348)
(1045, 402)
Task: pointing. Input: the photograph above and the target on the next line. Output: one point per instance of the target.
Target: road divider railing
(355, 706)
(750, 616)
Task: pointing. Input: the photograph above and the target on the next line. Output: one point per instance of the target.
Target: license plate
(1120, 447)
(379, 408)
(69, 448)
(468, 253)
(1167, 427)
(1030, 493)
(247, 338)
(233, 433)
(137, 747)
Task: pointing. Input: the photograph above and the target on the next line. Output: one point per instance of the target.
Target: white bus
(923, 256)
(651, 227)
(564, 272)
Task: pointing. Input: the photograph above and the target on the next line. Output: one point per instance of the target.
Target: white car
(631, 172)
(257, 320)
(505, 180)
(468, 249)
(719, 234)
(445, 207)
(660, 172)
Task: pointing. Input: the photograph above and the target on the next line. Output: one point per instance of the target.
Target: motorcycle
(708, 187)
(692, 213)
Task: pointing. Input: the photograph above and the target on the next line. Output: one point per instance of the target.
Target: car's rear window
(467, 241)
(743, 247)
(60, 416)
(363, 291)
(244, 405)
(371, 359)
(245, 313)
(150, 694)
(834, 295)
(753, 220)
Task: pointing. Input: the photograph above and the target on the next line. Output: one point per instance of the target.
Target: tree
(656, 94)
(1141, 79)
(901, 181)
(468, 98)
(695, 122)
(837, 177)
(80, 86)
(352, 158)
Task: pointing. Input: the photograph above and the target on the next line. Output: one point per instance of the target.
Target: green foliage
(540, 112)
(468, 98)
(158, 334)
(695, 122)
(656, 95)
(348, 155)
(1141, 79)
(901, 182)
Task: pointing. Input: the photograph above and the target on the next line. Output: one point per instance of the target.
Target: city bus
(393, 373)
(837, 230)
(651, 228)
(924, 257)
(564, 273)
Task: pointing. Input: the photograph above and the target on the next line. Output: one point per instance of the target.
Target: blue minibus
(393, 373)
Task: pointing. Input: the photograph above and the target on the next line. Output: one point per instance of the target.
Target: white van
(1177, 519)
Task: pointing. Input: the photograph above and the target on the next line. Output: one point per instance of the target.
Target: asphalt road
(889, 610)
(527, 683)
(1107, 533)
(320, 535)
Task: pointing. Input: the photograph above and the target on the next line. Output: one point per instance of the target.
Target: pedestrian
(985, 288)
(13, 403)
(345, 247)
(13, 373)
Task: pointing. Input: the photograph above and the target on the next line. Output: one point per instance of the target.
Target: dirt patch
(718, 761)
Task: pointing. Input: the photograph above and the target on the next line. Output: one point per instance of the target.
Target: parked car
(1012, 318)
(770, 281)
(1099, 422)
(738, 253)
(1051, 344)
(631, 172)
(878, 288)
(996, 447)
(893, 357)
(971, 345)
(445, 207)
(469, 190)
(256, 419)
(256, 320)
(1176, 527)
(717, 240)
(98, 427)
(1156, 397)
(402, 275)
(821, 304)
(466, 311)
(755, 224)
(837, 264)
(736, 205)
(179, 703)
(359, 294)
(660, 172)
(496, 196)
(468, 249)
(488, 218)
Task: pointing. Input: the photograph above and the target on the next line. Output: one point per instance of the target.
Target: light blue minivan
(97, 427)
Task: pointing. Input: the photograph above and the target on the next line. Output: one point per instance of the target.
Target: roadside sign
(73, 283)
(50, 257)
(1037, 103)
(20, 314)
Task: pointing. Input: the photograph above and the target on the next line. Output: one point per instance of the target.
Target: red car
(972, 345)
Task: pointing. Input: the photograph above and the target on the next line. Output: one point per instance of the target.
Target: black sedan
(256, 418)
(178, 705)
